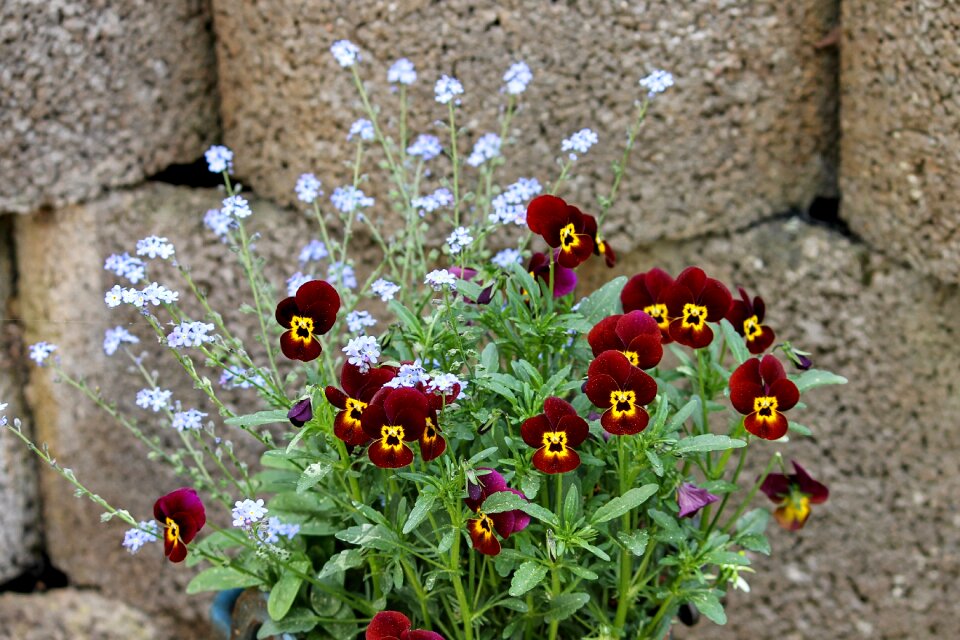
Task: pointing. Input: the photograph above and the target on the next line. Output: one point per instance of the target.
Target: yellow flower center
(751, 328)
(795, 508)
(632, 357)
(555, 442)
(623, 404)
(353, 411)
(430, 432)
(568, 237)
(694, 316)
(391, 436)
(765, 407)
(659, 313)
(173, 530)
(483, 525)
(301, 328)
(601, 247)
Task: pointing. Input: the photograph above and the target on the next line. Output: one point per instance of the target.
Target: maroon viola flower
(643, 292)
(760, 390)
(182, 515)
(306, 316)
(393, 417)
(600, 248)
(623, 390)
(563, 226)
(482, 527)
(432, 442)
(746, 316)
(301, 413)
(564, 280)
(393, 625)
(794, 494)
(555, 433)
(359, 387)
(636, 335)
(692, 301)
(692, 498)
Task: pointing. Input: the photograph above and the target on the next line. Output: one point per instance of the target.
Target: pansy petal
(546, 215)
(775, 486)
(555, 408)
(296, 349)
(481, 534)
(772, 428)
(786, 393)
(625, 425)
(635, 295)
(549, 462)
(286, 309)
(648, 350)
(576, 429)
(771, 370)
(737, 314)
(532, 429)
(675, 297)
(603, 336)
(716, 298)
(387, 624)
(745, 386)
(420, 634)
(598, 389)
(636, 323)
(762, 342)
(492, 482)
(405, 399)
(387, 457)
(564, 281)
(690, 336)
(432, 444)
(320, 301)
(372, 419)
(816, 491)
(349, 430)
(336, 397)
(643, 385)
(693, 278)
(613, 364)
(503, 522)
(788, 518)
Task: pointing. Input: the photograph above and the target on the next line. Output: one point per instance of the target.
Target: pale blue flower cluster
(385, 289)
(296, 281)
(219, 159)
(511, 205)
(517, 77)
(190, 334)
(409, 375)
(41, 352)
(358, 321)
(440, 278)
(343, 274)
(219, 222)
(444, 383)
(346, 53)
(154, 399)
(362, 128)
(487, 147)
(113, 338)
(506, 257)
(313, 251)
(155, 247)
(447, 88)
(189, 420)
(308, 188)
(275, 529)
(580, 142)
(426, 146)
(402, 72)
(3, 419)
(247, 512)
(236, 207)
(236, 378)
(126, 266)
(362, 352)
(657, 82)
(348, 199)
(153, 294)
(134, 539)
(459, 239)
(432, 201)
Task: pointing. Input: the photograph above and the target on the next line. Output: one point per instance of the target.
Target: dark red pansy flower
(182, 515)
(393, 625)
(600, 248)
(622, 389)
(746, 316)
(305, 316)
(555, 433)
(643, 292)
(393, 417)
(564, 280)
(432, 442)
(301, 413)
(358, 389)
(563, 226)
(482, 527)
(692, 301)
(636, 335)
(760, 390)
(691, 498)
(794, 494)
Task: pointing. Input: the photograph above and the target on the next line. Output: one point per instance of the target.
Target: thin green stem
(753, 491)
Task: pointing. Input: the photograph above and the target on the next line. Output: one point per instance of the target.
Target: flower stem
(625, 569)
(555, 571)
(753, 491)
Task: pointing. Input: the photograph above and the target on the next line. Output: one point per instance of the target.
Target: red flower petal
(745, 385)
(387, 624)
(296, 349)
(761, 342)
(716, 298)
(648, 350)
(556, 408)
(420, 634)
(603, 336)
(599, 387)
(481, 533)
(349, 430)
(675, 297)
(336, 397)
(817, 491)
(775, 486)
(320, 301)
(694, 279)
(613, 364)
(689, 336)
(432, 444)
(771, 370)
(286, 309)
(503, 522)
(389, 457)
(548, 462)
(786, 393)
(772, 428)
(576, 429)
(372, 420)
(532, 430)
(643, 385)
(572, 256)
(544, 214)
(625, 425)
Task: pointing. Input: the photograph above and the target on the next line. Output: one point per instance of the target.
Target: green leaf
(220, 579)
(709, 605)
(753, 522)
(420, 511)
(635, 541)
(570, 504)
(284, 592)
(660, 417)
(339, 563)
(526, 577)
(597, 551)
(707, 442)
(313, 475)
(799, 429)
(369, 536)
(622, 504)
(683, 414)
(670, 532)
(469, 290)
(813, 378)
(490, 358)
(655, 463)
(755, 542)
(447, 541)
(257, 419)
(719, 556)
(405, 316)
(735, 341)
(604, 301)
(514, 605)
(565, 605)
(299, 621)
(508, 501)
(486, 453)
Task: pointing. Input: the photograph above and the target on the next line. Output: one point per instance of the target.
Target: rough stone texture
(880, 559)
(68, 614)
(901, 129)
(19, 534)
(99, 94)
(747, 131)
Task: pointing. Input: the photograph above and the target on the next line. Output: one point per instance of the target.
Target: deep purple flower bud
(301, 413)
(692, 498)
(803, 362)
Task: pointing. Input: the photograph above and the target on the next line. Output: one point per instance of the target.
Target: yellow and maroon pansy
(181, 514)
(692, 301)
(794, 494)
(643, 292)
(393, 625)
(393, 418)
(614, 384)
(564, 280)
(432, 442)
(636, 335)
(555, 434)
(746, 316)
(563, 226)
(306, 316)
(482, 527)
(358, 389)
(760, 390)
